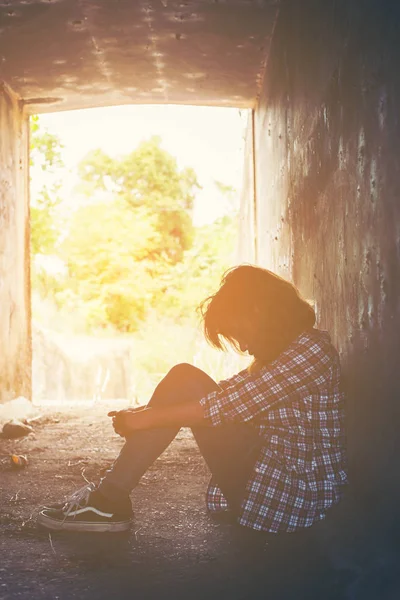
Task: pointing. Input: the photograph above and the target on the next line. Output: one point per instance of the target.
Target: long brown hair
(250, 292)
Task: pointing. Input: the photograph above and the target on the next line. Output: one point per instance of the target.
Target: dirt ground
(174, 550)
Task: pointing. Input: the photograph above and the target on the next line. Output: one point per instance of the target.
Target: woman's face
(246, 336)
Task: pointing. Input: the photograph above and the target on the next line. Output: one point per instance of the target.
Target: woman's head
(255, 310)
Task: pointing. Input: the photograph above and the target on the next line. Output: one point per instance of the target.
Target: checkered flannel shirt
(296, 405)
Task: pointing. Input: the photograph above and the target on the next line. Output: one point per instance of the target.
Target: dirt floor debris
(174, 549)
(16, 429)
(18, 461)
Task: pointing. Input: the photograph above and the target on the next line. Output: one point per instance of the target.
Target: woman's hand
(126, 421)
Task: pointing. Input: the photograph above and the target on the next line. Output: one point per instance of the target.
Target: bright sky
(208, 139)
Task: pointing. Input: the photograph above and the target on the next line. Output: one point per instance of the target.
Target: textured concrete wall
(327, 143)
(247, 245)
(81, 369)
(15, 354)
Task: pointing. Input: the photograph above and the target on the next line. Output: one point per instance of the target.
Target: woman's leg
(228, 450)
(182, 383)
(231, 450)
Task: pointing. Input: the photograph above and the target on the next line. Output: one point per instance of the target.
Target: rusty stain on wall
(15, 356)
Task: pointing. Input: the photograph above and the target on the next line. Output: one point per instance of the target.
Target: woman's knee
(183, 370)
(186, 374)
(182, 383)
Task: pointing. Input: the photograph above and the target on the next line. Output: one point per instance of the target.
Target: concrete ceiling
(65, 54)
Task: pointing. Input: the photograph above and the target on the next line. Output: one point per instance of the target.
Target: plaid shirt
(296, 405)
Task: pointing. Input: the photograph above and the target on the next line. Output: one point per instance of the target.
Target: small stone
(18, 461)
(15, 429)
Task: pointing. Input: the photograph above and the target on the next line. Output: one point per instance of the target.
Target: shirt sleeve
(302, 366)
(225, 383)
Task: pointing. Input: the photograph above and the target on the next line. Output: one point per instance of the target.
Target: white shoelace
(78, 499)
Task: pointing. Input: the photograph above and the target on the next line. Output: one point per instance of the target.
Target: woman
(272, 435)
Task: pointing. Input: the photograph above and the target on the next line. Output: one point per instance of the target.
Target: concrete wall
(15, 354)
(247, 243)
(70, 369)
(327, 147)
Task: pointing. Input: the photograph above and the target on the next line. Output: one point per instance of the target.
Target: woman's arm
(178, 415)
(305, 365)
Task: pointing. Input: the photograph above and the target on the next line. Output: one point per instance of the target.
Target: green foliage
(45, 219)
(199, 273)
(147, 178)
(130, 249)
(118, 250)
(131, 263)
(45, 147)
(108, 251)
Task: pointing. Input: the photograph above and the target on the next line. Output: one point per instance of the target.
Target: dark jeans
(230, 450)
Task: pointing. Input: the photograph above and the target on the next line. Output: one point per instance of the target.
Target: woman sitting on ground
(272, 435)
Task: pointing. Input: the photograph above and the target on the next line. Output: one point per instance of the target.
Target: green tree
(147, 177)
(199, 273)
(108, 253)
(46, 159)
(118, 249)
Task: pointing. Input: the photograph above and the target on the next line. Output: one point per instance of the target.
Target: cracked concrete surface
(65, 54)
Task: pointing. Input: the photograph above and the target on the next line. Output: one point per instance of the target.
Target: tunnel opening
(323, 81)
(134, 219)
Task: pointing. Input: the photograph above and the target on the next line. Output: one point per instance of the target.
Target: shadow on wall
(70, 370)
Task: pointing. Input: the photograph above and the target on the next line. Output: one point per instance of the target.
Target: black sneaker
(67, 499)
(87, 510)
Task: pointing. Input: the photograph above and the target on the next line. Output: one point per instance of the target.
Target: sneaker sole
(86, 526)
